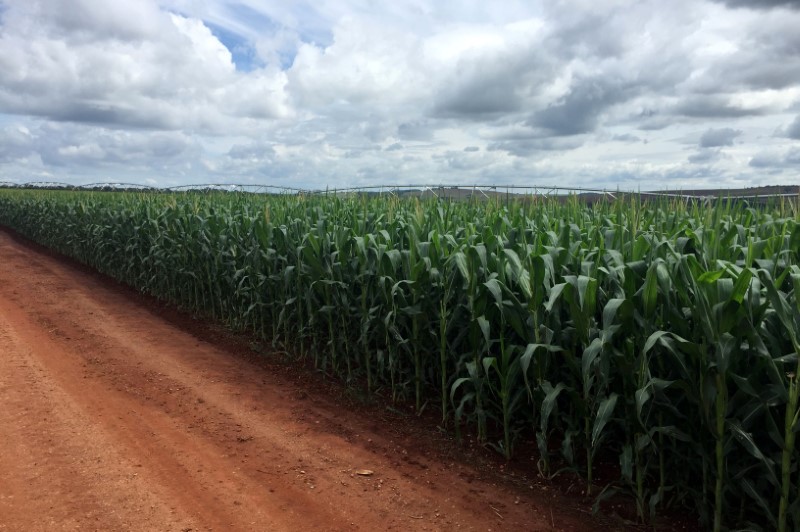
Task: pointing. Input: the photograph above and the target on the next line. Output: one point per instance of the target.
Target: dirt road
(113, 417)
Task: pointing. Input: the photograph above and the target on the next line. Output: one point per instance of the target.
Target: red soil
(120, 414)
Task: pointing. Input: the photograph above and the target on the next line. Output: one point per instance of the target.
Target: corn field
(660, 336)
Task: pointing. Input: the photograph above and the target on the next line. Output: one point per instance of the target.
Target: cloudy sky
(612, 94)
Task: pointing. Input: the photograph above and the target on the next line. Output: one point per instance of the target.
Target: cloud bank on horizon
(626, 94)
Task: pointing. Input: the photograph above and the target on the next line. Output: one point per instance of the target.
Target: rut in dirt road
(114, 418)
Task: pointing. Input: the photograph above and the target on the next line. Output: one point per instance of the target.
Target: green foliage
(662, 334)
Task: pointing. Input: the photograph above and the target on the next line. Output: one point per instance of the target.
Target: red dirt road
(115, 418)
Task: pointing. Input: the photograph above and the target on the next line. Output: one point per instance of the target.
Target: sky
(613, 94)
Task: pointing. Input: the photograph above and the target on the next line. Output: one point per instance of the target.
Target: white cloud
(714, 138)
(792, 131)
(365, 65)
(777, 159)
(16, 144)
(137, 67)
(338, 93)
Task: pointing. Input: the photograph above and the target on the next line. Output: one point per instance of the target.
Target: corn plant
(660, 334)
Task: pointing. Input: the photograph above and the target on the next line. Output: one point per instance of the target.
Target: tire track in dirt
(116, 419)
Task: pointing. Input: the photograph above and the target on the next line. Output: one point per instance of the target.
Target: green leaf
(613, 307)
(456, 385)
(664, 279)
(725, 348)
(742, 285)
(607, 493)
(671, 431)
(754, 493)
(603, 416)
(794, 238)
(483, 323)
(587, 293)
(493, 285)
(626, 463)
(589, 356)
(530, 350)
(747, 441)
(549, 402)
(555, 294)
(795, 276)
(642, 395)
(710, 276)
(650, 291)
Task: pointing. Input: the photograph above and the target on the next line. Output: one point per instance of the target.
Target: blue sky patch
(242, 50)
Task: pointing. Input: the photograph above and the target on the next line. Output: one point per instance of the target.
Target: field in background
(661, 335)
(762, 194)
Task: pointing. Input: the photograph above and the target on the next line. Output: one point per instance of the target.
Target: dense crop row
(662, 335)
